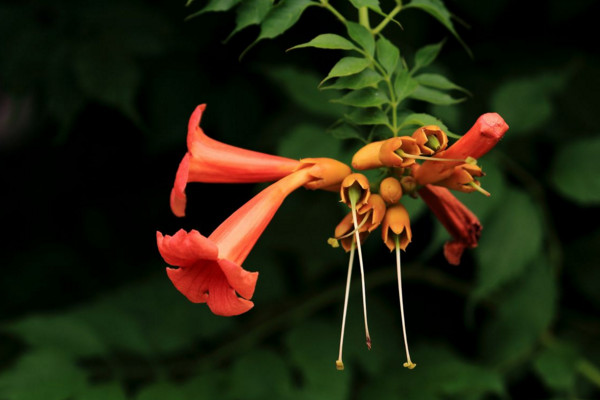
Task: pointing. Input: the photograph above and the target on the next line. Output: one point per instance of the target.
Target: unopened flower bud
(409, 184)
(367, 157)
(397, 222)
(390, 190)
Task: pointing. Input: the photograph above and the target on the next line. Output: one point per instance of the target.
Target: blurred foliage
(94, 101)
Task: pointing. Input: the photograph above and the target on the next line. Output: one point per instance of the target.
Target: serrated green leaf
(574, 172)
(362, 36)
(366, 78)
(508, 243)
(250, 12)
(345, 131)
(557, 366)
(387, 55)
(372, 4)
(42, 375)
(438, 82)
(421, 119)
(347, 66)
(434, 96)
(281, 17)
(328, 41)
(302, 88)
(215, 6)
(425, 55)
(404, 85)
(364, 98)
(438, 10)
(368, 116)
(68, 335)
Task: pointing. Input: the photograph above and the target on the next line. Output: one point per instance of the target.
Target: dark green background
(94, 102)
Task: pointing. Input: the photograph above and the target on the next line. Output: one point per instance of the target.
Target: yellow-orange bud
(397, 221)
(367, 157)
(358, 181)
(422, 136)
(329, 173)
(390, 190)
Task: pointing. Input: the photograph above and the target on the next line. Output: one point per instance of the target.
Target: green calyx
(433, 143)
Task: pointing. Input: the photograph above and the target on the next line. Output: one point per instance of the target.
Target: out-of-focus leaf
(65, 334)
(102, 392)
(364, 98)
(372, 4)
(258, 375)
(574, 171)
(281, 17)
(421, 119)
(362, 36)
(509, 243)
(250, 12)
(557, 366)
(438, 10)
(526, 103)
(345, 131)
(404, 85)
(437, 81)
(162, 391)
(581, 266)
(434, 96)
(523, 314)
(215, 6)
(42, 375)
(370, 116)
(387, 54)
(312, 349)
(426, 55)
(302, 87)
(366, 78)
(328, 41)
(309, 141)
(347, 66)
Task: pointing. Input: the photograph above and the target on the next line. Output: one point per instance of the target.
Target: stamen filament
(362, 223)
(403, 154)
(408, 364)
(339, 364)
(479, 189)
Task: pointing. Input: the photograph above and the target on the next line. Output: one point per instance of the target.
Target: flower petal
(178, 197)
(185, 249)
(222, 299)
(194, 281)
(244, 282)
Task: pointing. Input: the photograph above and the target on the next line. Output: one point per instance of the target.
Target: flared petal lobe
(458, 220)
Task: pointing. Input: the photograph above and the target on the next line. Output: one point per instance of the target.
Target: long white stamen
(339, 364)
(408, 364)
(362, 277)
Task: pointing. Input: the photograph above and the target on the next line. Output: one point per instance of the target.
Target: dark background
(94, 102)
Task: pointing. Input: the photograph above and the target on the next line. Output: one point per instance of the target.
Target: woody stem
(339, 364)
(408, 364)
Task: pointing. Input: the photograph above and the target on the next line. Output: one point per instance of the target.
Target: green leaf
(328, 41)
(438, 82)
(436, 9)
(347, 66)
(362, 36)
(421, 119)
(66, 334)
(250, 12)
(526, 103)
(366, 78)
(372, 4)
(509, 243)
(365, 98)
(524, 312)
(302, 88)
(345, 131)
(42, 375)
(260, 374)
(426, 55)
(215, 6)
(307, 140)
(102, 392)
(281, 17)
(574, 172)
(434, 96)
(387, 55)
(404, 85)
(161, 391)
(557, 366)
(368, 116)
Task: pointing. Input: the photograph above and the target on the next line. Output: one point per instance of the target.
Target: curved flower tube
(458, 220)
(481, 138)
(209, 269)
(211, 161)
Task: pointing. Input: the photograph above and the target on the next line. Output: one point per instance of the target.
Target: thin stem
(339, 364)
(408, 364)
(362, 277)
(479, 189)
(363, 17)
(325, 4)
(590, 371)
(387, 19)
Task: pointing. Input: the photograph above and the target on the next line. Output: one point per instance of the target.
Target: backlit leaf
(328, 41)
(434, 96)
(362, 36)
(347, 66)
(364, 98)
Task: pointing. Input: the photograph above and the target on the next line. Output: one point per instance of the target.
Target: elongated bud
(462, 179)
(390, 190)
(396, 221)
(396, 152)
(328, 173)
(374, 210)
(430, 139)
(359, 184)
(367, 157)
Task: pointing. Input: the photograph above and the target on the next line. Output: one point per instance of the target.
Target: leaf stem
(387, 18)
(363, 17)
(325, 4)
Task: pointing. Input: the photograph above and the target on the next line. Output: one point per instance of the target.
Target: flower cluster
(209, 269)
